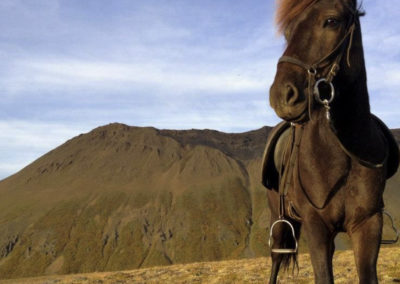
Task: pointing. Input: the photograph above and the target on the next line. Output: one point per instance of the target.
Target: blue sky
(68, 66)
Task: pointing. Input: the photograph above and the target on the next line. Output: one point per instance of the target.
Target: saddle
(271, 164)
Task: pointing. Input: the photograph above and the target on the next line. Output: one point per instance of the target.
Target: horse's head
(319, 35)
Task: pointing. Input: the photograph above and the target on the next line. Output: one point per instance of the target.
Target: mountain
(125, 197)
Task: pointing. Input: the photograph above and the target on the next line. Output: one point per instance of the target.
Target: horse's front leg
(366, 238)
(277, 236)
(321, 247)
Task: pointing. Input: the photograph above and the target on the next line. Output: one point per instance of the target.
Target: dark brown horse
(331, 165)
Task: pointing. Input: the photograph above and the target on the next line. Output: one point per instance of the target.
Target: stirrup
(390, 242)
(283, 250)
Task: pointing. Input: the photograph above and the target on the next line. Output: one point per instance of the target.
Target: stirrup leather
(396, 231)
(283, 250)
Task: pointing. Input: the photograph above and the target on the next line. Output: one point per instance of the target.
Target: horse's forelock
(287, 10)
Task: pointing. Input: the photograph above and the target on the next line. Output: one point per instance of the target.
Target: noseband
(312, 70)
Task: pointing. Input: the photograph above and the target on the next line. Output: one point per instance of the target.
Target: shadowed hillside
(124, 197)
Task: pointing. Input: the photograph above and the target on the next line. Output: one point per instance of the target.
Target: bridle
(313, 74)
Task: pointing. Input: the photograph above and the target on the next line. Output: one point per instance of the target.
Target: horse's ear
(358, 7)
(352, 4)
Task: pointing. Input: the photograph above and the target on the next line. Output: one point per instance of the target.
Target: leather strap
(291, 154)
(296, 61)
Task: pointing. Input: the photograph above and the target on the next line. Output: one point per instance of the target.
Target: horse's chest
(321, 171)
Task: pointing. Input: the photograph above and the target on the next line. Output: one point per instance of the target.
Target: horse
(326, 165)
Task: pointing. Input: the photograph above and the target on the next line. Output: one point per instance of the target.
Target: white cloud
(62, 74)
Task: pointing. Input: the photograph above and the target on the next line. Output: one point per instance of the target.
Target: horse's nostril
(291, 94)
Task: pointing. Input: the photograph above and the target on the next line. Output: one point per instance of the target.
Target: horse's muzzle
(289, 102)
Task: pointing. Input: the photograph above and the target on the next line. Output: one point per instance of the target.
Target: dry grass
(232, 271)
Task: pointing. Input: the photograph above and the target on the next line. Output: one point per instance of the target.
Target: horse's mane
(287, 10)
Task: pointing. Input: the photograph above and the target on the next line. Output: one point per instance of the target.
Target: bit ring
(317, 94)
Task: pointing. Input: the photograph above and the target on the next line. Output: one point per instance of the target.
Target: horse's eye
(331, 23)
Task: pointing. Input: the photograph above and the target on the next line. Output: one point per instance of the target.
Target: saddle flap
(392, 148)
(270, 175)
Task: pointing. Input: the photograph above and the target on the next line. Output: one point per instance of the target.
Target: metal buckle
(283, 250)
(312, 71)
(334, 69)
(318, 95)
(390, 242)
